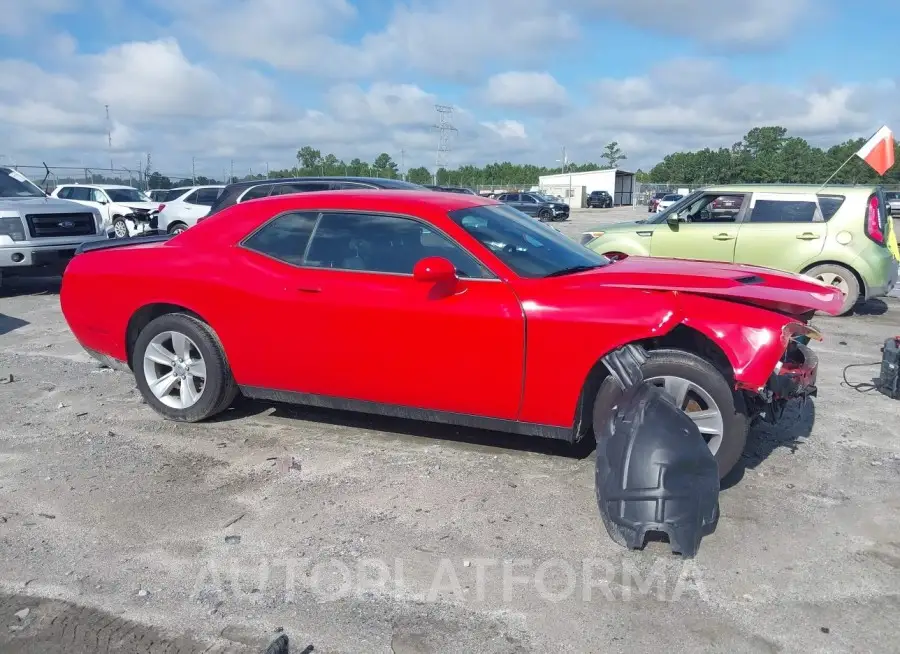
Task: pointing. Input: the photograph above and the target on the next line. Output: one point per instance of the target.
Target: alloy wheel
(174, 370)
(699, 406)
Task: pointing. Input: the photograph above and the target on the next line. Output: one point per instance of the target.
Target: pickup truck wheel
(701, 391)
(841, 278)
(120, 228)
(181, 370)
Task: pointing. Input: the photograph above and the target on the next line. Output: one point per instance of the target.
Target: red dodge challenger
(436, 306)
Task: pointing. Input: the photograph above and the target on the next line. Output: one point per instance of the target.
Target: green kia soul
(837, 234)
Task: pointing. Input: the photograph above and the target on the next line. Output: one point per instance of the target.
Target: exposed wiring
(861, 387)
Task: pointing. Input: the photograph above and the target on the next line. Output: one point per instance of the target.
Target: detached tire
(708, 385)
(181, 358)
(839, 277)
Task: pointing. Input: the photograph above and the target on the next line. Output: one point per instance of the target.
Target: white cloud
(525, 90)
(17, 19)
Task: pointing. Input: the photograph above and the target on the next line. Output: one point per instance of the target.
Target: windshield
(675, 208)
(14, 184)
(529, 247)
(126, 195)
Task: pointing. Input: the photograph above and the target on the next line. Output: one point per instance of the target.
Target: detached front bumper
(793, 379)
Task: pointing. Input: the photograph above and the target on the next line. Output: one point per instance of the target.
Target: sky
(205, 83)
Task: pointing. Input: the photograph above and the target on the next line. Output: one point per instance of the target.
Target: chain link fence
(49, 177)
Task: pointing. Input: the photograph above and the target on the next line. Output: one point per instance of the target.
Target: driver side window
(97, 195)
(713, 209)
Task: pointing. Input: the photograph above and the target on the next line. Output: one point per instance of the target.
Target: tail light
(587, 237)
(161, 207)
(874, 230)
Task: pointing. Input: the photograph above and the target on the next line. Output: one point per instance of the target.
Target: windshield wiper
(570, 270)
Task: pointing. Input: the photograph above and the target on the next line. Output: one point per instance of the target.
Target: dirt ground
(120, 531)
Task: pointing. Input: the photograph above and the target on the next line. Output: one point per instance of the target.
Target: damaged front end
(139, 222)
(794, 376)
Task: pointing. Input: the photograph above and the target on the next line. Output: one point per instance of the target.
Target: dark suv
(534, 204)
(599, 200)
(263, 188)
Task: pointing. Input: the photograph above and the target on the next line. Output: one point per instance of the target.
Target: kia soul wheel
(700, 390)
(181, 370)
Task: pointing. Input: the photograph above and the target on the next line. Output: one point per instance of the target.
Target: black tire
(678, 363)
(852, 283)
(176, 228)
(119, 224)
(545, 215)
(219, 390)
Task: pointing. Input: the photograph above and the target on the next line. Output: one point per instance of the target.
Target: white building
(575, 187)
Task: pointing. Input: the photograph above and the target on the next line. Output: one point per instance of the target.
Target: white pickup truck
(39, 234)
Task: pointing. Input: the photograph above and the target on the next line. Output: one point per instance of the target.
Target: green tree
(419, 175)
(384, 165)
(308, 157)
(612, 154)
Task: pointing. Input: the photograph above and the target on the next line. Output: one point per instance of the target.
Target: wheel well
(681, 338)
(144, 316)
(859, 279)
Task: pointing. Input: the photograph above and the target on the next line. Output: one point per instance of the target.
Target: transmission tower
(445, 130)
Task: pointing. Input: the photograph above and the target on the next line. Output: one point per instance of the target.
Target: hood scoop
(750, 279)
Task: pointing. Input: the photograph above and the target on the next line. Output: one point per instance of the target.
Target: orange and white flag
(878, 151)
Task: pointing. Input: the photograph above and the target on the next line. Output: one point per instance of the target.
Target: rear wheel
(700, 390)
(181, 370)
(840, 278)
(176, 228)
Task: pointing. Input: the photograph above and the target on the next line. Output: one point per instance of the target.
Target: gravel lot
(361, 534)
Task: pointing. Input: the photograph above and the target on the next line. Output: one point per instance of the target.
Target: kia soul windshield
(530, 248)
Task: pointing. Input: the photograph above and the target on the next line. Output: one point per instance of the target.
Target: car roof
(831, 189)
(374, 200)
(380, 181)
(103, 186)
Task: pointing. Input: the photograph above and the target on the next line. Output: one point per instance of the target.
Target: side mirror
(102, 201)
(434, 269)
(672, 219)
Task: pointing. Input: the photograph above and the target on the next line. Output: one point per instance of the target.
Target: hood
(764, 287)
(622, 227)
(42, 205)
(149, 206)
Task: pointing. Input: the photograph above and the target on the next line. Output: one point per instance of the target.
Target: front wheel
(545, 215)
(700, 390)
(120, 228)
(181, 370)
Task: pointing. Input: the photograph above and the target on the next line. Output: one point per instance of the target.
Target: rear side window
(257, 192)
(174, 194)
(783, 211)
(80, 193)
(829, 205)
(206, 196)
(284, 238)
(65, 193)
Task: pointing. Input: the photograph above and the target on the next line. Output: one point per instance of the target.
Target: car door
(701, 232)
(781, 230)
(344, 318)
(528, 204)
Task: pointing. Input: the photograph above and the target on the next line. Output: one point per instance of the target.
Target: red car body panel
(509, 348)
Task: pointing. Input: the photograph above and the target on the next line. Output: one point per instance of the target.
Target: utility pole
(402, 167)
(231, 179)
(193, 170)
(267, 170)
(445, 131)
(109, 138)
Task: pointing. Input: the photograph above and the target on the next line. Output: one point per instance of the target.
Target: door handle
(309, 289)
(723, 237)
(808, 236)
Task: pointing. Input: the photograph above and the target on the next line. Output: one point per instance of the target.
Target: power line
(445, 131)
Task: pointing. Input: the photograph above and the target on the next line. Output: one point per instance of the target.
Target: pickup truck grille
(43, 225)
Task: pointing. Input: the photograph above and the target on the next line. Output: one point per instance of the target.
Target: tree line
(764, 155)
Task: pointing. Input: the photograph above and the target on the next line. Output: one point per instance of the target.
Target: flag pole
(839, 168)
